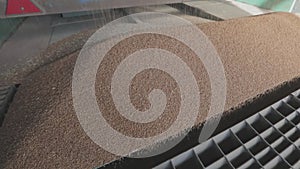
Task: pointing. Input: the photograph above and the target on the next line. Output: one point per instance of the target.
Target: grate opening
(293, 101)
(256, 145)
(293, 156)
(284, 109)
(242, 129)
(295, 135)
(284, 126)
(226, 140)
(259, 123)
(239, 157)
(281, 144)
(251, 164)
(266, 155)
(277, 163)
(272, 116)
(271, 135)
(222, 164)
(210, 154)
(192, 162)
(294, 118)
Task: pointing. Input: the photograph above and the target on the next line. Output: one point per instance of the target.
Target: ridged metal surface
(268, 139)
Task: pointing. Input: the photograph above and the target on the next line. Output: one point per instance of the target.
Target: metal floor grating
(268, 139)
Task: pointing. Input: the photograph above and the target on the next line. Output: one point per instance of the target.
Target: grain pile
(41, 129)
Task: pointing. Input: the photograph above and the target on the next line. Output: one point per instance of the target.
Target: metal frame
(66, 6)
